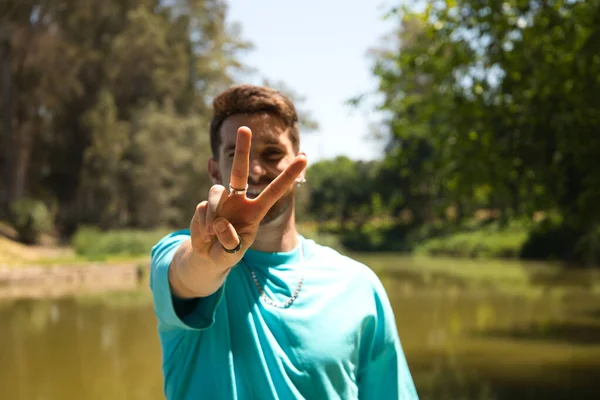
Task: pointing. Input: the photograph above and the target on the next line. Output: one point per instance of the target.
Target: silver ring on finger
(236, 249)
(233, 190)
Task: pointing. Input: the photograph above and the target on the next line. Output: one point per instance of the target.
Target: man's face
(271, 152)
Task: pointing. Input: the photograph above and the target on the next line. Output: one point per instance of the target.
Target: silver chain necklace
(269, 300)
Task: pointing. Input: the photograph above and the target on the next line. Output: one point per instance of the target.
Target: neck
(278, 235)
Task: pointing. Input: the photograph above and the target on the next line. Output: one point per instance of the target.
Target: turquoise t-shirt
(337, 340)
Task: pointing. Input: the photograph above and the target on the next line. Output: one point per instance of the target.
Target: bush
(377, 237)
(30, 218)
(556, 239)
(486, 243)
(98, 245)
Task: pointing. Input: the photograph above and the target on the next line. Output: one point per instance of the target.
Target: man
(250, 309)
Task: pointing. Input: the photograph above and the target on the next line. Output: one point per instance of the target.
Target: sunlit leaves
(506, 95)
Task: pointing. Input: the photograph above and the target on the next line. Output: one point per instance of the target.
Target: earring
(300, 181)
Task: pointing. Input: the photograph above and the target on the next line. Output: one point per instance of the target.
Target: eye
(273, 154)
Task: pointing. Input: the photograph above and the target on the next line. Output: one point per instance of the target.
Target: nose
(256, 170)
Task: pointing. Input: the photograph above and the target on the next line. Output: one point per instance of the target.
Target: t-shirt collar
(261, 259)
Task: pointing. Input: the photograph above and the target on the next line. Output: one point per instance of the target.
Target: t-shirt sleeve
(174, 313)
(383, 372)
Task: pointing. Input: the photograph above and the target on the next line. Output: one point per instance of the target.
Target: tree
(85, 79)
(343, 190)
(505, 96)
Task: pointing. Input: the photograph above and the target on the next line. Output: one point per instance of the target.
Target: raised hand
(226, 218)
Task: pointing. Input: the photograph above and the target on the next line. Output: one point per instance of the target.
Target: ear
(214, 172)
(302, 177)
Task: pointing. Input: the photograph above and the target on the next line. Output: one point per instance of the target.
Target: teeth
(254, 192)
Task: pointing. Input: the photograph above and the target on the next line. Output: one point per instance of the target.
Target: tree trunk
(6, 157)
(24, 147)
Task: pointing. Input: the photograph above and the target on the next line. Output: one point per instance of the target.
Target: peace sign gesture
(225, 225)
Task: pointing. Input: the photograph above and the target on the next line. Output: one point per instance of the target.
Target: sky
(319, 50)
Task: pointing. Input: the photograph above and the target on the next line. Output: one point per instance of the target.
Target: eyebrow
(269, 141)
(272, 140)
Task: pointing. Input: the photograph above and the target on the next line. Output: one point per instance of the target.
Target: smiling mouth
(254, 192)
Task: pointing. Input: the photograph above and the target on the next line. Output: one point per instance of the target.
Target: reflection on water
(464, 339)
(491, 346)
(523, 335)
(69, 349)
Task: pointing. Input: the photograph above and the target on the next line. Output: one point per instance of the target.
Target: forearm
(191, 276)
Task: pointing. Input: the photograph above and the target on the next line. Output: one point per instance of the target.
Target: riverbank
(550, 239)
(44, 281)
(104, 261)
(49, 270)
(483, 243)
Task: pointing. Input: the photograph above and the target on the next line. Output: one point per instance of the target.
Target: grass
(94, 244)
(524, 279)
(88, 245)
(493, 271)
(483, 243)
(15, 253)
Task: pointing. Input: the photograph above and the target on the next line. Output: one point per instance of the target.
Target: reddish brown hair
(250, 99)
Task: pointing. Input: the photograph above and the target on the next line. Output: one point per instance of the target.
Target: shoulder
(169, 241)
(163, 251)
(343, 266)
(352, 280)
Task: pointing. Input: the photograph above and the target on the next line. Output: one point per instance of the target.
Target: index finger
(241, 158)
(281, 184)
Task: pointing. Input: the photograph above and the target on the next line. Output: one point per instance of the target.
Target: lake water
(477, 330)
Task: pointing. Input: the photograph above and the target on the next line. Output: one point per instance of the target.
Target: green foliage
(30, 218)
(555, 238)
(95, 244)
(111, 106)
(484, 243)
(101, 185)
(374, 237)
(344, 190)
(490, 107)
(168, 158)
(493, 105)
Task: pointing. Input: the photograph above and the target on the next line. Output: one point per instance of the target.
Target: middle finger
(217, 195)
